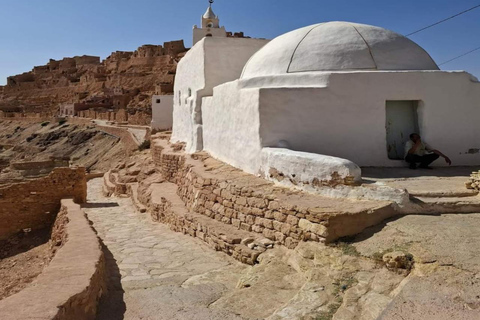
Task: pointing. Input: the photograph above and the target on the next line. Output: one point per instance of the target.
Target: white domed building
(315, 104)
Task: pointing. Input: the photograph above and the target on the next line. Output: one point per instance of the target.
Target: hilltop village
(123, 81)
(242, 178)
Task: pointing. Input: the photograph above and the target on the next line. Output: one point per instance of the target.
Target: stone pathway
(148, 265)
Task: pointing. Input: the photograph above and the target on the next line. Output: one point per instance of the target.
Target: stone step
(436, 205)
(168, 208)
(113, 186)
(108, 186)
(132, 190)
(444, 194)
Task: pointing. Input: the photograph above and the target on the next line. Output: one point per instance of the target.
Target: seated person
(416, 152)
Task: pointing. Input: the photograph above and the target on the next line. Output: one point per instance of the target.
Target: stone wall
(129, 142)
(25, 116)
(72, 284)
(138, 118)
(167, 160)
(38, 165)
(35, 203)
(249, 203)
(170, 210)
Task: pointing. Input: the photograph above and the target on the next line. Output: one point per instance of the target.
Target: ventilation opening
(401, 121)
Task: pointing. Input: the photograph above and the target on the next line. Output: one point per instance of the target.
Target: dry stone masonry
(235, 212)
(33, 204)
(474, 182)
(71, 286)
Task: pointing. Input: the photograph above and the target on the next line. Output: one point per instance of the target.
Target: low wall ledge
(71, 285)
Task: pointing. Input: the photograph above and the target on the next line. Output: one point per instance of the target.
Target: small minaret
(210, 26)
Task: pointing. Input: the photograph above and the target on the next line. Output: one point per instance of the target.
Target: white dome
(338, 46)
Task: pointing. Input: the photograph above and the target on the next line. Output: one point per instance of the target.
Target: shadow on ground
(402, 172)
(111, 306)
(100, 205)
(23, 242)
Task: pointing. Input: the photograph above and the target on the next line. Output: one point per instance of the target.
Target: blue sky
(33, 31)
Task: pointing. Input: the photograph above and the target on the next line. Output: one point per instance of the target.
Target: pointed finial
(211, 1)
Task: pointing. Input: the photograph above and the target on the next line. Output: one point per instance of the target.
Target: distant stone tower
(210, 26)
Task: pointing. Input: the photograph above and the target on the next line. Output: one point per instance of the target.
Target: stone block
(285, 228)
(257, 229)
(315, 228)
(269, 214)
(292, 220)
(250, 220)
(269, 234)
(267, 223)
(258, 212)
(280, 237)
(246, 227)
(274, 205)
(277, 226)
(291, 243)
(241, 201)
(279, 216)
(236, 223)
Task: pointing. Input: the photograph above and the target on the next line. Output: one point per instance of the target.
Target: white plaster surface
(300, 169)
(214, 30)
(338, 45)
(346, 115)
(200, 33)
(338, 118)
(212, 61)
(190, 77)
(162, 113)
(231, 126)
(304, 167)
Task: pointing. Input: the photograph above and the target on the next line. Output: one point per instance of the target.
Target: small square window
(158, 101)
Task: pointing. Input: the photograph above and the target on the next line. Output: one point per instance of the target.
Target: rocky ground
(413, 267)
(445, 282)
(22, 259)
(83, 145)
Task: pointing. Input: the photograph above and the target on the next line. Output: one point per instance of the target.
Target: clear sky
(33, 31)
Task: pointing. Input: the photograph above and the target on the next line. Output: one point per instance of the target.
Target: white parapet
(309, 169)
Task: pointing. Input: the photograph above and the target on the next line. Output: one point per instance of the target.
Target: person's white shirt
(421, 150)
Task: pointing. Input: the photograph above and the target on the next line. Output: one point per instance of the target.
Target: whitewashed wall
(162, 112)
(190, 77)
(231, 126)
(199, 33)
(211, 62)
(344, 116)
(347, 118)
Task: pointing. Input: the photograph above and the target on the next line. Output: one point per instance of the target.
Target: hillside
(125, 79)
(81, 145)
